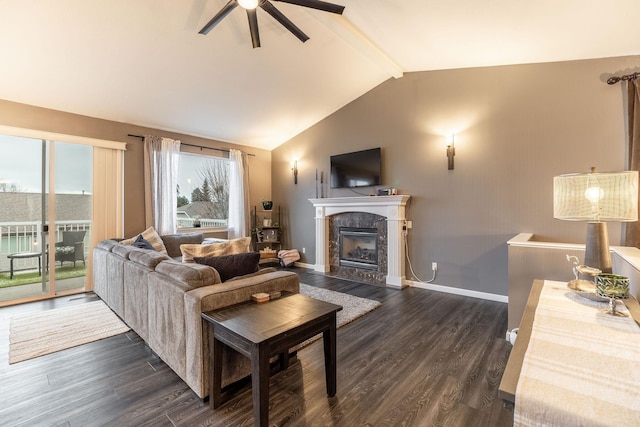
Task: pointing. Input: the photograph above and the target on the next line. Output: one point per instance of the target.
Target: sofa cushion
(123, 250)
(148, 259)
(188, 276)
(230, 247)
(107, 245)
(172, 242)
(150, 235)
(230, 266)
(260, 271)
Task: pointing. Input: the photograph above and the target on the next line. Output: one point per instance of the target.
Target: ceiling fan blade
(317, 4)
(253, 27)
(278, 16)
(219, 16)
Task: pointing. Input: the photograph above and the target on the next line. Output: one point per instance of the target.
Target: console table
(512, 373)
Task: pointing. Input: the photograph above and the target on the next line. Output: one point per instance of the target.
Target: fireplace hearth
(359, 247)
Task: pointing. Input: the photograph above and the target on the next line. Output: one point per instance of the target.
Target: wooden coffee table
(261, 331)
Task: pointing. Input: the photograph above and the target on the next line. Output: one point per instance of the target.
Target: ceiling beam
(352, 35)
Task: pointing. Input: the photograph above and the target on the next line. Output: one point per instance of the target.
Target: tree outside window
(203, 191)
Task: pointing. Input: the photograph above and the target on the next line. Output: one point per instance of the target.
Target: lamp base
(597, 253)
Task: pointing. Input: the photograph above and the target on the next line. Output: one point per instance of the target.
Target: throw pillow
(141, 243)
(230, 247)
(230, 266)
(151, 236)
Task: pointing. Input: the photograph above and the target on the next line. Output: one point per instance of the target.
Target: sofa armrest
(240, 289)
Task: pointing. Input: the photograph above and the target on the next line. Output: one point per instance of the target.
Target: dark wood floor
(423, 358)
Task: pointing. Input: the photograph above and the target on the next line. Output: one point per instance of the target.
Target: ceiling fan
(251, 5)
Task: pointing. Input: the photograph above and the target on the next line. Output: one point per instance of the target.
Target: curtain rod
(193, 145)
(614, 80)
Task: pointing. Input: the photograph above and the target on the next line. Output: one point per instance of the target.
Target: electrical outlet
(409, 224)
(434, 266)
(304, 250)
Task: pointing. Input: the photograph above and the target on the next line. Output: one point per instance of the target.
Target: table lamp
(596, 198)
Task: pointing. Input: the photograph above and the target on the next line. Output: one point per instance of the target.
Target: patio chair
(71, 248)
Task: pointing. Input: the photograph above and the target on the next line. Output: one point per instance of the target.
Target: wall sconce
(451, 151)
(294, 170)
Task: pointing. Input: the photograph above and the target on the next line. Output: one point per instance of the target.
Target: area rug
(352, 307)
(44, 332)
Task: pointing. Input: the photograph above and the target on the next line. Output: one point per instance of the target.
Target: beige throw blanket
(582, 366)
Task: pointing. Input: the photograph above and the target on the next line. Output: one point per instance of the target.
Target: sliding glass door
(70, 222)
(45, 217)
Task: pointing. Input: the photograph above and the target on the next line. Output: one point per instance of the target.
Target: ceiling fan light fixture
(248, 4)
(251, 5)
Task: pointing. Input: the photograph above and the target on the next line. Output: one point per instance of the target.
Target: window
(203, 191)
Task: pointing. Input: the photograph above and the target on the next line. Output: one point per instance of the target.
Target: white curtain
(161, 156)
(239, 210)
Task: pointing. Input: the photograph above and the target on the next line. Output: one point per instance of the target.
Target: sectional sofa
(161, 299)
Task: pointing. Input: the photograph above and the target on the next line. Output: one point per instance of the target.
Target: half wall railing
(16, 237)
(204, 223)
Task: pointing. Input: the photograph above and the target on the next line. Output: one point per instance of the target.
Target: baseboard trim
(438, 288)
(459, 291)
(303, 265)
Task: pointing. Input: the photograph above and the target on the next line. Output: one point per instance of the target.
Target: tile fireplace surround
(391, 207)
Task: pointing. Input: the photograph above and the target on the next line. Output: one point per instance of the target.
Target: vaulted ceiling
(143, 62)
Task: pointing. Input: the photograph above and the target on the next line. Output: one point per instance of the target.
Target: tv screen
(357, 169)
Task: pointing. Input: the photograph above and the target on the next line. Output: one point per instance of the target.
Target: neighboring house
(200, 210)
(27, 207)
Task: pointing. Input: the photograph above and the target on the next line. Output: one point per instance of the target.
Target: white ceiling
(143, 61)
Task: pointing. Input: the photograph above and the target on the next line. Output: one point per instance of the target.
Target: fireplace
(388, 219)
(359, 247)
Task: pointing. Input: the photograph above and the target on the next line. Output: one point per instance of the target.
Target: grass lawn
(64, 272)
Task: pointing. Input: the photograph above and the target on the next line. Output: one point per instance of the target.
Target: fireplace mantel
(391, 207)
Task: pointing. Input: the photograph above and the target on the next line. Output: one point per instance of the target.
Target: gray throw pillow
(230, 266)
(142, 243)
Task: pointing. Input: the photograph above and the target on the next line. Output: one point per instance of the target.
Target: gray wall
(515, 128)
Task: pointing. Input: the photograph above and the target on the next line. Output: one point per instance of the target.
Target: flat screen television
(357, 169)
